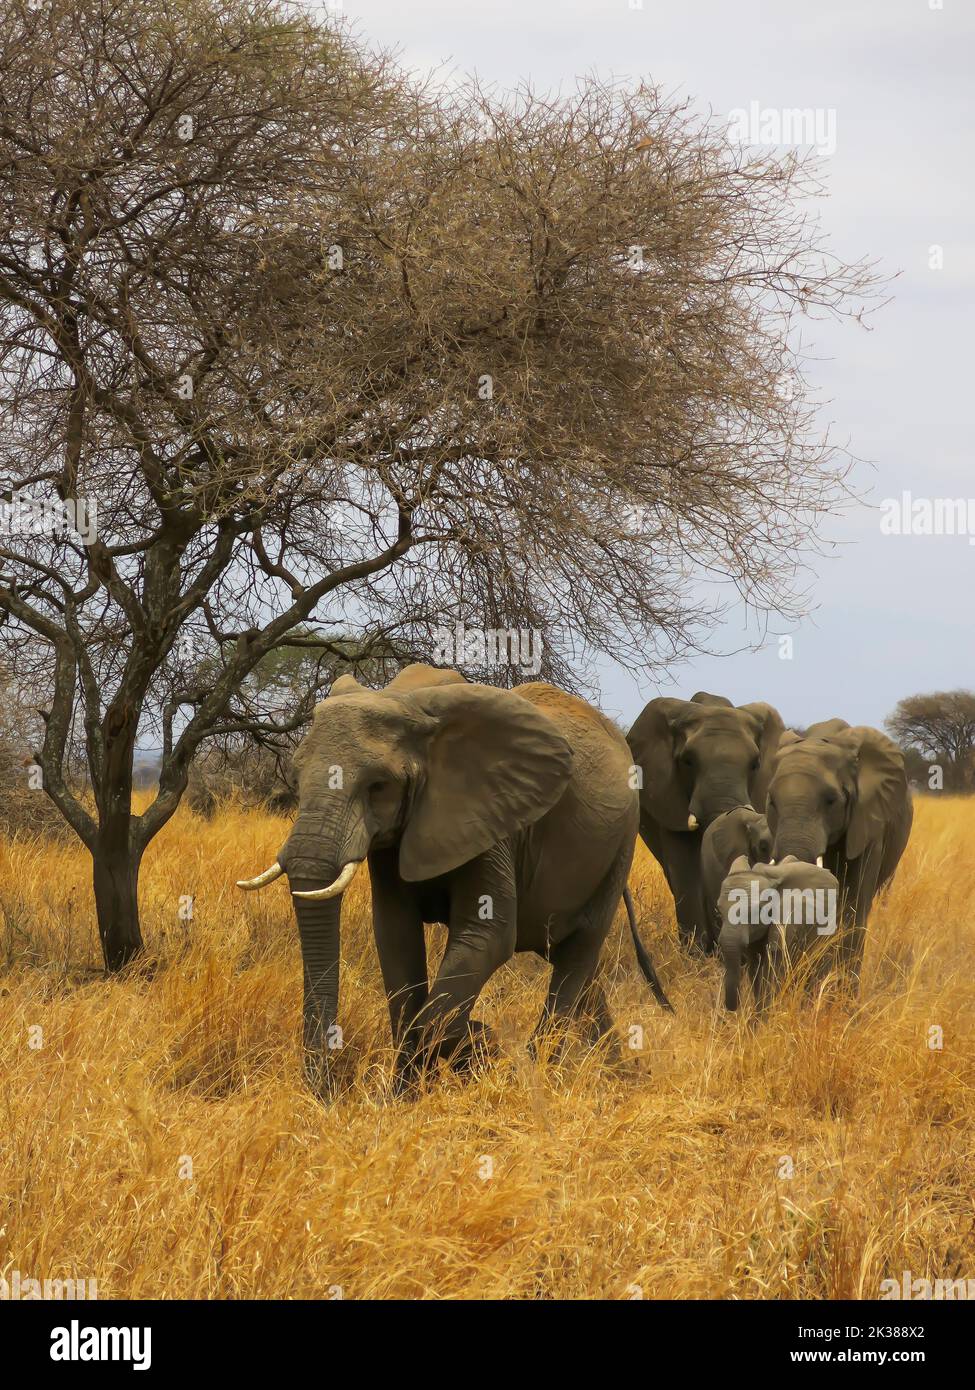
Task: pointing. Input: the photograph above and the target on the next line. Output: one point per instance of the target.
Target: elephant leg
(475, 950)
(480, 938)
(401, 947)
(594, 1009)
(679, 855)
(574, 991)
(763, 977)
(830, 951)
(850, 952)
(853, 940)
(824, 956)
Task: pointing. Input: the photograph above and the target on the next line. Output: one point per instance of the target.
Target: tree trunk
(117, 852)
(116, 879)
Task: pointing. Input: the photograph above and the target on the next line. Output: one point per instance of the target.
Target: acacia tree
(940, 727)
(269, 713)
(317, 344)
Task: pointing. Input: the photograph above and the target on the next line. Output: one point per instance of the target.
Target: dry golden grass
(664, 1171)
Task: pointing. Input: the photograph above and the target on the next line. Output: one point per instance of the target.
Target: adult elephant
(508, 815)
(698, 758)
(839, 797)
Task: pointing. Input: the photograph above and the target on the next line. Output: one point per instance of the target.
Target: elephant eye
(754, 764)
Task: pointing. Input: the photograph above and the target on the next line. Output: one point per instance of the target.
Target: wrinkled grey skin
(735, 833)
(507, 815)
(700, 758)
(769, 949)
(842, 793)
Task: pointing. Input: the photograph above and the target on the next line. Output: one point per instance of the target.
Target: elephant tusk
(268, 876)
(334, 889)
(692, 823)
(819, 861)
(771, 862)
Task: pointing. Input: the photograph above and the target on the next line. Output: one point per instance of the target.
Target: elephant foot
(558, 1037)
(464, 1052)
(406, 1083)
(320, 1076)
(698, 944)
(479, 1045)
(613, 1058)
(550, 1037)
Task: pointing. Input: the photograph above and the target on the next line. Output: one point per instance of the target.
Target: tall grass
(155, 1134)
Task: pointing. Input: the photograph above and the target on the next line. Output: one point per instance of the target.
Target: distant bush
(24, 808)
(250, 775)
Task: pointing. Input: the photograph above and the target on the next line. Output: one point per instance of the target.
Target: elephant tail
(643, 957)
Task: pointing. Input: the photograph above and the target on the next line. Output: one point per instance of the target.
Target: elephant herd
(827, 812)
(511, 816)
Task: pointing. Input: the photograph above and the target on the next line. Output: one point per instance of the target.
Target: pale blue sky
(893, 614)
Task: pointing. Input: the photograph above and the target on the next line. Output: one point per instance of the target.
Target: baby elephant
(771, 916)
(739, 832)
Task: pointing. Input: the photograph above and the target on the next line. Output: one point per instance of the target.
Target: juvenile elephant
(508, 815)
(735, 833)
(698, 758)
(839, 796)
(772, 915)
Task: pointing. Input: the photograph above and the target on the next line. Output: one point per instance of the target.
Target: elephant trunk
(730, 942)
(713, 797)
(326, 835)
(318, 931)
(803, 838)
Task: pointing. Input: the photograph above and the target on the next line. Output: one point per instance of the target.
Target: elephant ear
(881, 785)
(342, 685)
(419, 675)
(345, 685)
(826, 728)
(651, 742)
(771, 733)
(759, 840)
(735, 869)
(494, 765)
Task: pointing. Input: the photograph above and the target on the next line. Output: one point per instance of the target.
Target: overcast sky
(893, 614)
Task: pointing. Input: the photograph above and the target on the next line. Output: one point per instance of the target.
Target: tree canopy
(939, 728)
(289, 337)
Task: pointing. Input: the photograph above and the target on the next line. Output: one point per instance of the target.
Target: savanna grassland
(665, 1171)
